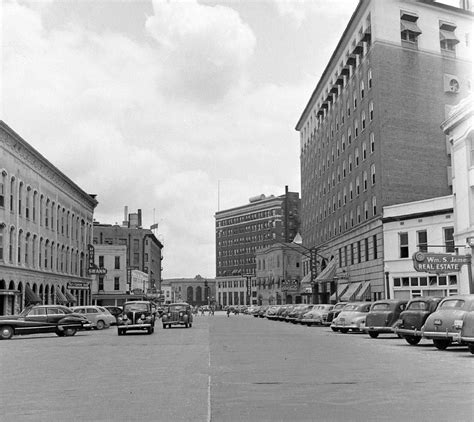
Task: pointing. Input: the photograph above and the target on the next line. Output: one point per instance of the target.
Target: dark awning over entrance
(31, 297)
(70, 297)
(328, 273)
(60, 298)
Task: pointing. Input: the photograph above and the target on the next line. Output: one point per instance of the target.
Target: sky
(179, 108)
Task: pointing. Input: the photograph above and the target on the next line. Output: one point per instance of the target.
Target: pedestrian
(228, 312)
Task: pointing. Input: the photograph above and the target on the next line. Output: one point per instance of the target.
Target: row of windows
(29, 250)
(359, 251)
(101, 283)
(422, 242)
(34, 206)
(247, 217)
(432, 280)
(245, 229)
(236, 262)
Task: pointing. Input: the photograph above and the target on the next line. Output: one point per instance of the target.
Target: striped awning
(70, 297)
(409, 26)
(349, 294)
(60, 298)
(328, 273)
(341, 288)
(30, 296)
(364, 292)
(448, 36)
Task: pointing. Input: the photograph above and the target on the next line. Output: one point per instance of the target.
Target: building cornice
(18, 146)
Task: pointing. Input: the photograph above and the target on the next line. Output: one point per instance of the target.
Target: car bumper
(376, 329)
(407, 332)
(449, 335)
(87, 326)
(134, 326)
(346, 326)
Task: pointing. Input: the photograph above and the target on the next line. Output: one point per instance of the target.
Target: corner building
(370, 134)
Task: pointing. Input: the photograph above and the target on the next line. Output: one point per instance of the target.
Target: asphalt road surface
(239, 368)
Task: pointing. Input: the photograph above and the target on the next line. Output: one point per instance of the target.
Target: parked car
(352, 317)
(136, 316)
(467, 331)
(177, 314)
(382, 315)
(334, 312)
(297, 313)
(261, 312)
(317, 315)
(99, 317)
(43, 319)
(444, 325)
(272, 311)
(413, 317)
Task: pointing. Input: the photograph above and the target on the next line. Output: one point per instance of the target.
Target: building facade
(143, 249)
(45, 228)
(459, 130)
(196, 291)
(370, 134)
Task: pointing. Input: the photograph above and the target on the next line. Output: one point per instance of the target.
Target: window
(12, 190)
(409, 30)
(369, 78)
(356, 128)
(352, 253)
(27, 202)
(344, 169)
(2, 189)
(348, 108)
(359, 252)
(136, 258)
(351, 191)
(355, 99)
(1, 241)
(356, 155)
(344, 196)
(116, 283)
(374, 242)
(101, 261)
(117, 263)
(366, 210)
(101, 283)
(422, 240)
(350, 163)
(349, 136)
(449, 239)
(447, 38)
(363, 120)
(374, 206)
(364, 151)
(366, 243)
(357, 186)
(403, 242)
(371, 111)
(364, 178)
(472, 152)
(20, 194)
(351, 216)
(372, 173)
(362, 90)
(372, 142)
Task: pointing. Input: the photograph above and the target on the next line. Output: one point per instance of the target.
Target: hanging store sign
(78, 285)
(439, 263)
(290, 285)
(97, 270)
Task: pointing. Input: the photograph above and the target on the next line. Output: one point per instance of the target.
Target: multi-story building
(242, 231)
(459, 129)
(279, 275)
(370, 134)
(142, 246)
(45, 228)
(196, 291)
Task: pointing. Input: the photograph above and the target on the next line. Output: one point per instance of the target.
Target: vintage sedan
(352, 317)
(318, 315)
(444, 325)
(297, 313)
(177, 314)
(413, 317)
(382, 315)
(43, 319)
(99, 316)
(334, 312)
(467, 332)
(136, 316)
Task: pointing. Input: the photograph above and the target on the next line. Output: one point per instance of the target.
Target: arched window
(355, 98)
(351, 191)
(343, 142)
(356, 128)
(11, 244)
(363, 120)
(344, 196)
(358, 214)
(374, 205)
(35, 200)
(19, 245)
(357, 185)
(344, 169)
(20, 194)
(3, 175)
(349, 136)
(350, 163)
(369, 78)
(372, 142)
(362, 89)
(366, 210)
(364, 151)
(12, 193)
(46, 214)
(372, 173)
(27, 202)
(356, 155)
(27, 248)
(364, 175)
(371, 111)
(2, 229)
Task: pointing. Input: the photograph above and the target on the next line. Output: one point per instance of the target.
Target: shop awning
(70, 297)
(306, 279)
(448, 35)
(31, 297)
(364, 292)
(349, 294)
(60, 298)
(341, 288)
(409, 26)
(328, 273)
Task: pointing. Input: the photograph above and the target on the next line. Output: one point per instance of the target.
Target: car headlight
(457, 325)
(124, 317)
(142, 316)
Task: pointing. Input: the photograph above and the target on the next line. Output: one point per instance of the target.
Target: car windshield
(381, 307)
(417, 306)
(135, 307)
(177, 308)
(351, 307)
(339, 306)
(452, 304)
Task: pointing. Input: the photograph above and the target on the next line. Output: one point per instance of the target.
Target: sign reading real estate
(439, 263)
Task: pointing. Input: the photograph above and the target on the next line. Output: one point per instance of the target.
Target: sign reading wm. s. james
(439, 262)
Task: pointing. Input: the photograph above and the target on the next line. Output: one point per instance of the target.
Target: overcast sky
(153, 104)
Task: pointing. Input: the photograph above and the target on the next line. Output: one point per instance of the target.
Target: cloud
(204, 49)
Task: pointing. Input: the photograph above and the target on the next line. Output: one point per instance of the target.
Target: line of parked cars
(446, 321)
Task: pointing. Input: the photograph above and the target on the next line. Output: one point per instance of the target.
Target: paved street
(233, 369)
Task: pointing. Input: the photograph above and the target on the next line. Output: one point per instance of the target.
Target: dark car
(136, 316)
(444, 325)
(43, 319)
(334, 312)
(382, 315)
(177, 314)
(413, 317)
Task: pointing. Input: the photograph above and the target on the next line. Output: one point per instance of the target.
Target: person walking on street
(228, 312)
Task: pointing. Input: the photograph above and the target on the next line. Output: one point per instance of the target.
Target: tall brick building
(370, 134)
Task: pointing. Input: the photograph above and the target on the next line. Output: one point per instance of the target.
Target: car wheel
(441, 344)
(120, 332)
(69, 332)
(344, 330)
(334, 329)
(412, 340)
(164, 326)
(471, 347)
(150, 330)
(100, 325)
(186, 325)
(59, 333)
(190, 324)
(6, 332)
(373, 334)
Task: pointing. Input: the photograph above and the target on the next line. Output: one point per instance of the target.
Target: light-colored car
(317, 315)
(98, 316)
(352, 317)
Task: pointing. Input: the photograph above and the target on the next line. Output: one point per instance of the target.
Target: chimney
(125, 217)
(465, 4)
(139, 218)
